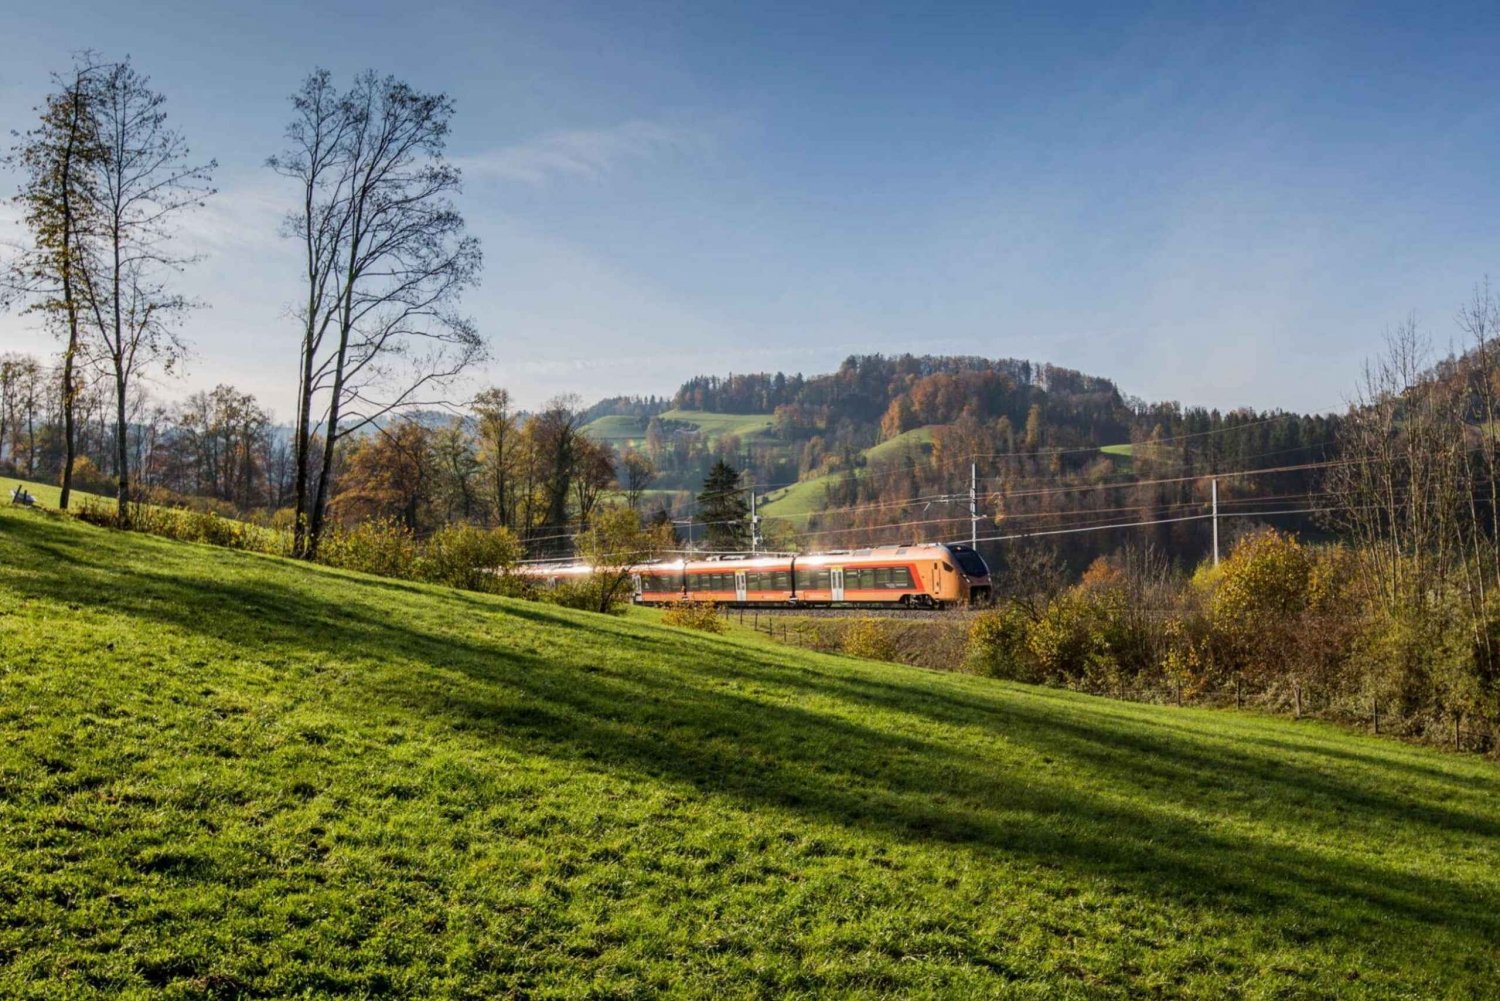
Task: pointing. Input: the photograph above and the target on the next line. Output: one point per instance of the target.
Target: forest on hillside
(1033, 433)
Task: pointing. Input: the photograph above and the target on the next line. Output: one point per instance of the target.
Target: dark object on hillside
(20, 495)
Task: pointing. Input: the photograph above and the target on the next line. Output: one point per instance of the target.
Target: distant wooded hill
(888, 441)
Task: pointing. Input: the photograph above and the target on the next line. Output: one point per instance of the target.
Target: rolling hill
(233, 775)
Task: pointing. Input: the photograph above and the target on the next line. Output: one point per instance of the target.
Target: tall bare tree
(499, 451)
(57, 161)
(640, 472)
(386, 259)
(593, 472)
(142, 183)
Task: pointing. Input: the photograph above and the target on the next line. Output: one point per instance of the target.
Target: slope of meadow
(225, 774)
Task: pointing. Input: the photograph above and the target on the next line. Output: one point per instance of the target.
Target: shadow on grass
(839, 745)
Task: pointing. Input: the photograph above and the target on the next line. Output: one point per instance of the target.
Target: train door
(836, 583)
(739, 585)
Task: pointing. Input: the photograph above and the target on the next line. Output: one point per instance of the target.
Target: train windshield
(970, 562)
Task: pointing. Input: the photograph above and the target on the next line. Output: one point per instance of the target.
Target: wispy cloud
(242, 217)
(582, 153)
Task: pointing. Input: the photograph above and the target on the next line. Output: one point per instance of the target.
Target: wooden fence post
(1239, 699)
(1297, 699)
(1375, 714)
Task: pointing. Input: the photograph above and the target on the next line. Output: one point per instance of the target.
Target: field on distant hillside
(231, 774)
(617, 429)
(800, 499)
(747, 426)
(917, 438)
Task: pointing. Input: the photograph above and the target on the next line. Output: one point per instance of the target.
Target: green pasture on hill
(715, 426)
(225, 774)
(917, 438)
(617, 429)
(810, 495)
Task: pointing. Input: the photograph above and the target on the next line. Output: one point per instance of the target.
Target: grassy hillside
(811, 494)
(617, 429)
(796, 499)
(46, 494)
(227, 773)
(747, 426)
(918, 438)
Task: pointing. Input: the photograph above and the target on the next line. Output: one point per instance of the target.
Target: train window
(822, 580)
(782, 580)
(901, 577)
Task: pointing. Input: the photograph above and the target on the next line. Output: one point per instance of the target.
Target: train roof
(737, 561)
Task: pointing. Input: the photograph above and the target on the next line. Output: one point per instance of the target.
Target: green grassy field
(809, 495)
(798, 499)
(229, 774)
(921, 438)
(46, 494)
(617, 429)
(747, 426)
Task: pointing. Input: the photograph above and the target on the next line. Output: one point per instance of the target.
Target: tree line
(105, 184)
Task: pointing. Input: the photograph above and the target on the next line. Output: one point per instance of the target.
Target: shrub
(88, 478)
(384, 548)
(468, 557)
(584, 595)
(1257, 604)
(997, 645)
(701, 615)
(871, 639)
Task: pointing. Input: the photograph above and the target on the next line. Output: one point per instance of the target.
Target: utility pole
(974, 504)
(1216, 520)
(754, 524)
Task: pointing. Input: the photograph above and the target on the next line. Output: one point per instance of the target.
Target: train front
(974, 573)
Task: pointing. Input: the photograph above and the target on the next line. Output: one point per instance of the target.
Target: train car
(915, 576)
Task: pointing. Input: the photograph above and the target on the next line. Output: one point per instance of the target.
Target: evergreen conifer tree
(724, 510)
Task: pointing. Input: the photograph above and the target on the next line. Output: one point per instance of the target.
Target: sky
(1207, 203)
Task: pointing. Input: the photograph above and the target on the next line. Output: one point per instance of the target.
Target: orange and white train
(927, 575)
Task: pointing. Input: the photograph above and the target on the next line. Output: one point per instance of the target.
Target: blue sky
(1206, 203)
